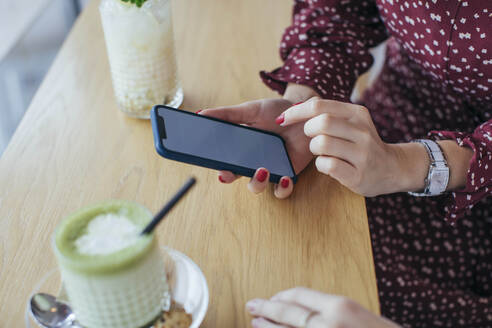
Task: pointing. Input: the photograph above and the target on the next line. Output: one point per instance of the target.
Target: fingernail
(279, 120)
(300, 102)
(198, 111)
(221, 179)
(284, 182)
(261, 175)
(252, 305)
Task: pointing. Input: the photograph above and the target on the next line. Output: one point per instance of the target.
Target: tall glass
(140, 46)
(125, 288)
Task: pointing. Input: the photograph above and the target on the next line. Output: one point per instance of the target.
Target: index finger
(240, 114)
(280, 312)
(316, 106)
(308, 298)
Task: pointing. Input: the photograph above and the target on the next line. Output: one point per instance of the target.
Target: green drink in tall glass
(114, 277)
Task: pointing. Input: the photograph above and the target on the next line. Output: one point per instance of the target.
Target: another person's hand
(347, 146)
(261, 114)
(306, 308)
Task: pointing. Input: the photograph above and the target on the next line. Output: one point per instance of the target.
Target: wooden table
(74, 148)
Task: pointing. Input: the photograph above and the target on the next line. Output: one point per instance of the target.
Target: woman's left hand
(347, 145)
(306, 308)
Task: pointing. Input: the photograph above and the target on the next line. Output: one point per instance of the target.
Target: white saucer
(188, 285)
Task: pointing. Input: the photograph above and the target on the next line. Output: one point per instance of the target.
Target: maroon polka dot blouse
(433, 255)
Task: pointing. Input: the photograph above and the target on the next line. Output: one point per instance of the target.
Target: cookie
(175, 318)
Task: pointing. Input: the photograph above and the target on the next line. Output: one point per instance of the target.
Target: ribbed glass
(140, 47)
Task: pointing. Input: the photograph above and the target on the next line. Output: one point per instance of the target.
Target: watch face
(439, 180)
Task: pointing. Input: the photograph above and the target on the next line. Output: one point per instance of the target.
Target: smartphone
(216, 144)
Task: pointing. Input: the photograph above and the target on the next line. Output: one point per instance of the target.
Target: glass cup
(126, 288)
(140, 46)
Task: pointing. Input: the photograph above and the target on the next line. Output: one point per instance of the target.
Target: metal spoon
(50, 313)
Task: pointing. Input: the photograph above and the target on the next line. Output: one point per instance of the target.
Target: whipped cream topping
(106, 234)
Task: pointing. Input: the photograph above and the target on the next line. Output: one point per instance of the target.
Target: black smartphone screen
(224, 142)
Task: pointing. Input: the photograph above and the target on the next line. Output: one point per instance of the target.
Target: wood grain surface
(74, 148)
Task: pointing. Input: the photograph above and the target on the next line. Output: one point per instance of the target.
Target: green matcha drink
(114, 277)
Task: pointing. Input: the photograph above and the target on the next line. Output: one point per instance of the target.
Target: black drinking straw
(162, 213)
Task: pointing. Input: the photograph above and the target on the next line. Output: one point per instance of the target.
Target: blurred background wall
(31, 33)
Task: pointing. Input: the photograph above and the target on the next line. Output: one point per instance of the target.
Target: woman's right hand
(261, 114)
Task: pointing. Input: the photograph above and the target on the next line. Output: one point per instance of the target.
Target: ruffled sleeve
(327, 46)
(479, 176)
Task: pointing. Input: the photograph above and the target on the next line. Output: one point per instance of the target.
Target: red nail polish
(261, 175)
(221, 179)
(279, 120)
(284, 182)
(198, 111)
(300, 102)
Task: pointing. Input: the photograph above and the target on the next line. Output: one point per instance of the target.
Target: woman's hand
(261, 114)
(348, 148)
(302, 307)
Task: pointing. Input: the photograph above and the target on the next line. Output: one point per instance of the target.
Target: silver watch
(438, 176)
